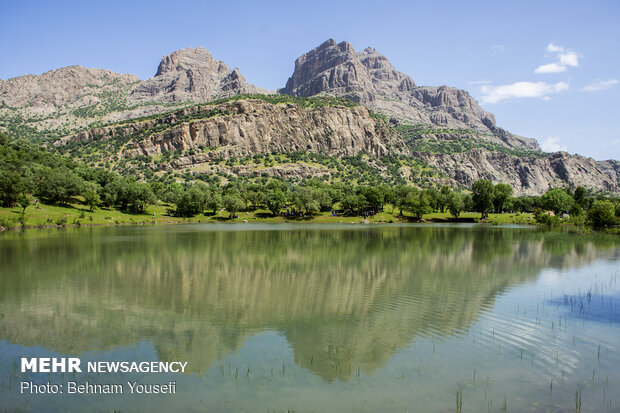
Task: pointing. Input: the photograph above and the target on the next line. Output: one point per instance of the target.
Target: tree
(304, 200)
(254, 196)
(91, 195)
(418, 204)
(580, 196)
(401, 194)
(501, 193)
(445, 192)
(557, 200)
(455, 204)
(468, 203)
(389, 196)
(191, 202)
(482, 196)
(374, 197)
(59, 185)
(352, 203)
(233, 203)
(23, 201)
(215, 200)
(12, 184)
(602, 213)
(275, 200)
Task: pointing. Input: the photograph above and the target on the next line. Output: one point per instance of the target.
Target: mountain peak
(369, 78)
(186, 59)
(192, 74)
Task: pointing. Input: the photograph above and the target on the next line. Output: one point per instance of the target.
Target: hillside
(363, 107)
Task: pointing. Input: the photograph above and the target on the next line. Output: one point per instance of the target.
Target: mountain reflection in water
(341, 295)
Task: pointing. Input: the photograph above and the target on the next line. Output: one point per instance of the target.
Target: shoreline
(315, 220)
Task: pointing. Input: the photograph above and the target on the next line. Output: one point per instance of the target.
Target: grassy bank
(45, 216)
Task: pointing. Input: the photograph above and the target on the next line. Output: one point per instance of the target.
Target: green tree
(304, 200)
(418, 204)
(602, 213)
(444, 193)
(91, 195)
(233, 203)
(557, 200)
(455, 204)
(215, 200)
(374, 197)
(352, 203)
(501, 193)
(482, 196)
(275, 200)
(59, 185)
(23, 201)
(401, 194)
(191, 202)
(580, 195)
(12, 184)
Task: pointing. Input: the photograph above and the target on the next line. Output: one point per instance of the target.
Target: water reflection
(344, 297)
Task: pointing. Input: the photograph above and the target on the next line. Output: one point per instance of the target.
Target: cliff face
(247, 127)
(527, 175)
(191, 75)
(369, 78)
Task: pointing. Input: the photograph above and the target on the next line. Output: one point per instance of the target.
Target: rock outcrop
(247, 127)
(527, 175)
(73, 86)
(63, 101)
(192, 75)
(369, 78)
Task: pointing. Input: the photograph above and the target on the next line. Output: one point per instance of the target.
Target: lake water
(312, 318)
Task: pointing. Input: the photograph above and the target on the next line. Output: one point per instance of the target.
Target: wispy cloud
(564, 59)
(552, 144)
(600, 85)
(480, 82)
(494, 94)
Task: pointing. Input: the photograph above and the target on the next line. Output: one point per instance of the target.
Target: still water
(313, 318)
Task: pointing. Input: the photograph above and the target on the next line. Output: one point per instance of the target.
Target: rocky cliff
(63, 101)
(369, 78)
(531, 175)
(192, 75)
(247, 127)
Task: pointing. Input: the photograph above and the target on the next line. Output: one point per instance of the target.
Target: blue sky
(549, 70)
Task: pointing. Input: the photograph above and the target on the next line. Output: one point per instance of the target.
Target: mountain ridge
(432, 121)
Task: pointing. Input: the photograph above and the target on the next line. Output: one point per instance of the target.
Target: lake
(316, 318)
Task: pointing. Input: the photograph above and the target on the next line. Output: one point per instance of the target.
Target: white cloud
(564, 59)
(494, 94)
(600, 85)
(550, 68)
(569, 59)
(552, 144)
(554, 48)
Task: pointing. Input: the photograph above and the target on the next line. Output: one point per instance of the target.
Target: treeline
(29, 173)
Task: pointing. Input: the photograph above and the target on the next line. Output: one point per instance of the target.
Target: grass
(76, 214)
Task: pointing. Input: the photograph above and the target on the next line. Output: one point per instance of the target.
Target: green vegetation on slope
(420, 138)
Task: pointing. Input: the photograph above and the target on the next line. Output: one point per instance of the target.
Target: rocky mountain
(437, 134)
(191, 75)
(206, 134)
(529, 175)
(63, 101)
(369, 78)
